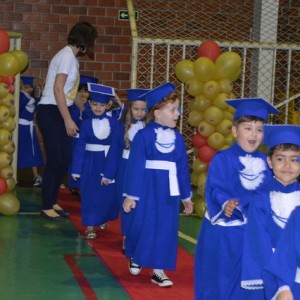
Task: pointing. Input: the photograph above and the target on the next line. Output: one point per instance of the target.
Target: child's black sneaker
(134, 269)
(161, 279)
(37, 181)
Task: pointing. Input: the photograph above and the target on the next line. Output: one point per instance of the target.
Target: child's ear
(269, 162)
(233, 130)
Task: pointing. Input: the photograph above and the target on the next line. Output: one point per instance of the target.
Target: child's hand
(75, 178)
(285, 295)
(230, 206)
(128, 204)
(188, 207)
(105, 181)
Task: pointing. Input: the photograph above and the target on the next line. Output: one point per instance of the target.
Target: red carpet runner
(108, 247)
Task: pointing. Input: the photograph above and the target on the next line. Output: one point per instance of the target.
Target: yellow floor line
(187, 237)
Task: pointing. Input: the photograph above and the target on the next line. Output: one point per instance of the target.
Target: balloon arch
(209, 79)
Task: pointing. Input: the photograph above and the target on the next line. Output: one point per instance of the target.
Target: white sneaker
(134, 269)
(161, 279)
(37, 181)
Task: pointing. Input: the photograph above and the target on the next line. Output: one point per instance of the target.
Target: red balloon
(206, 153)
(209, 49)
(198, 140)
(4, 41)
(9, 80)
(3, 186)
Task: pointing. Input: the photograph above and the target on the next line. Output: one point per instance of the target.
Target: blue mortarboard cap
(134, 94)
(255, 107)
(100, 93)
(281, 134)
(84, 79)
(157, 94)
(298, 159)
(27, 80)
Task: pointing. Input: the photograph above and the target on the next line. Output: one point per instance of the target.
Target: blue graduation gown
(152, 234)
(283, 268)
(29, 151)
(268, 214)
(232, 174)
(98, 202)
(117, 161)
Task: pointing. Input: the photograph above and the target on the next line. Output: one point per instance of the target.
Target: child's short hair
(284, 147)
(170, 98)
(236, 122)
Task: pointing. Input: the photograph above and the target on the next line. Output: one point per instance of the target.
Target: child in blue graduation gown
(272, 205)
(282, 274)
(233, 175)
(98, 199)
(157, 177)
(131, 123)
(77, 116)
(29, 150)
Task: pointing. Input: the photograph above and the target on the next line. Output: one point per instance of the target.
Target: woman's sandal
(90, 234)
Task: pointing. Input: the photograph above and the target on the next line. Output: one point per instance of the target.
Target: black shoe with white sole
(134, 269)
(161, 279)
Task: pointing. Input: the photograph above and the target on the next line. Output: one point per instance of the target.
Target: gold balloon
(200, 192)
(9, 204)
(211, 89)
(229, 139)
(184, 70)
(202, 103)
(219, 101)
(9, 64)
(201, 180)
(227, 65)
(8, 100)
(204, 68)
(4, 113)
(11, 184)
(224, 127)
(7, 172)
(9, 147)
(228, 115)
(213, 115)
(225, 86)
(191, 104)
(12, 111)
(200, 208)
(22, 58)
(5, 159)
(195, 117)
(199, 166)
(194, 87)
(194, 177)
(205, 128)
(9, 123)
(5, 136)
(4, 90)
(216, 140)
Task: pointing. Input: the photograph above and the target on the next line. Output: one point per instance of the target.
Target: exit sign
(123, 15)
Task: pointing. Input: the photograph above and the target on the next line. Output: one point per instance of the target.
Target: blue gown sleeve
(282, 267)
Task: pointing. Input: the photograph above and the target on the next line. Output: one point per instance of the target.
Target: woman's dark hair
(83, 36)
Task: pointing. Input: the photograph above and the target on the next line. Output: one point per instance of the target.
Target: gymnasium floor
(44, 260)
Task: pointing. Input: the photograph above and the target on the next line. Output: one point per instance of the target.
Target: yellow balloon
(11, 184)
(191, 104)
(184, 70)
(202, 103)
(199, 166)
(22, 58)
(9, 123)
(5, 159)
(194, 87)
(213, 115)
(9, 64)
(216, 140)
(236, 75)
(211, 89)
(194, 177)
(5, 136)
(200, 192)
(200, 208)
(224, 127)
(205, 128)
(9, 147)
(229, 138)
(204, 68)
(225, 86)
(4, 90)
(8, 100)
(227, 65)
(4, 113)
(195, 117)
(219, 101)
(228, 115)
(12, 111)
(7, 172)
(9, 204)
(201, 180)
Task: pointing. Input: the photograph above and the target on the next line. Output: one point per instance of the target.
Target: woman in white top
(53, 116)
